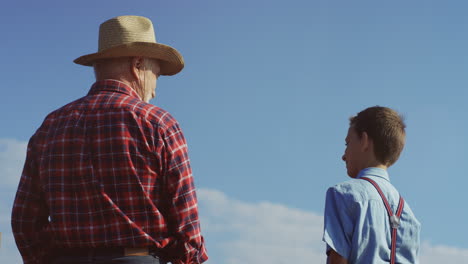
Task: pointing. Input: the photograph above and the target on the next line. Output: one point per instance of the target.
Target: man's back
(114, 171)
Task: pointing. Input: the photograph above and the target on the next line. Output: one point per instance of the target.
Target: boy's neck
(378, 165)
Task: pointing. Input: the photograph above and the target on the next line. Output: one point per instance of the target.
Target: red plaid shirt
(108, 170)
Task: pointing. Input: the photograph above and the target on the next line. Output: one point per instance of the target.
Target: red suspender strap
(394, 218)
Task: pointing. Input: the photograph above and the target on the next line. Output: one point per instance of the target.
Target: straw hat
(128, 36)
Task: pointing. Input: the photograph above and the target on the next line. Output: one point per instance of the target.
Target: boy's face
(354, 155)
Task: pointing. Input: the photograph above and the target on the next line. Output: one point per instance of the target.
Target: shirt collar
(372, 171)
(113, 86)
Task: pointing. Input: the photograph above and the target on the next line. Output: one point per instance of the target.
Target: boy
(366, 220)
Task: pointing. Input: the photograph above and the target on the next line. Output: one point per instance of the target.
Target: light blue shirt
(357, 225)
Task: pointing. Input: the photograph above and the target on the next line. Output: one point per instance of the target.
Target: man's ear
(135, 66)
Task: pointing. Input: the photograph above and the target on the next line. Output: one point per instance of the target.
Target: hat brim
(172, 60)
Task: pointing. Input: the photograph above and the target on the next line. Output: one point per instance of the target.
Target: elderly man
(107, 177)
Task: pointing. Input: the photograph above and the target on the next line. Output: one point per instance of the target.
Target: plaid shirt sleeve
(30, 213)
(183, 212)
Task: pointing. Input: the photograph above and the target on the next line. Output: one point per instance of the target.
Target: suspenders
(394, 218)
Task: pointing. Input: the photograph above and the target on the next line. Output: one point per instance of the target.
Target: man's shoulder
(139, 109)
(145, 111)
(153, 114)
(62, 109)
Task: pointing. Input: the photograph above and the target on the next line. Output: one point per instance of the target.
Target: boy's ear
(365, 141)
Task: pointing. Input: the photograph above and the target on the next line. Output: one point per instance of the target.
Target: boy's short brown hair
(386, 128)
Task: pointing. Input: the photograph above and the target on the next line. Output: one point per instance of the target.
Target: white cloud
(8, 252)
(272, 233)
(12, 156)
(260, 232)
(436, 254)
(236, 231)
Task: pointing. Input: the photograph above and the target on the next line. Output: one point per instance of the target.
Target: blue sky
(264, 102)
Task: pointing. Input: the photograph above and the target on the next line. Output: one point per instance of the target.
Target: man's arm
(183, 217)
(30, 213)
(335, 258)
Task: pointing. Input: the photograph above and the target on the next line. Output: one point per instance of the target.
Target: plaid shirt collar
(113, 86)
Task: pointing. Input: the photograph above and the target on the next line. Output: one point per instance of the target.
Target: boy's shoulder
(353, 190)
